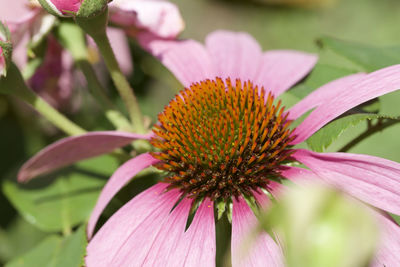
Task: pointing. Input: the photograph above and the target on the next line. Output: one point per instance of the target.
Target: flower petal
(201, 234)
(133, 227)
(142, 232)
(72, 149)
(262, 251)
(235, 54)
(281, 69)
(161, 18)
(388, 253)
(373, 85)
(118, 180)
(323, 94)
(188, 60)
(298, 175)
(371, 179)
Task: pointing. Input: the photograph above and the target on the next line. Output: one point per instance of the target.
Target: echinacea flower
(222, 139)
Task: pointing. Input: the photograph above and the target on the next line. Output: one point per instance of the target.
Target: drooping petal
(142, 232)
(373, 85)
(235, 54)
(281, 69)
(260, 251)
(371, 179)
(72, 149)
(161, 18)
(188, 60)
(323, 94)
(118, 180)
(388, 253)
(201, 234)
(119, 44)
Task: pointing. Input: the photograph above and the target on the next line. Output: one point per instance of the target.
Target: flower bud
(5, 49)
(74, 8)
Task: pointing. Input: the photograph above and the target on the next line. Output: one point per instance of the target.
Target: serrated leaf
(61, 200)
(329, 133)
(55, 251)
(368, 57)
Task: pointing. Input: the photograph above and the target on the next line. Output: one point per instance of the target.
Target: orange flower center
(220, 140)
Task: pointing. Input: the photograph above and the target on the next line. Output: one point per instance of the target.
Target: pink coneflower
(223, 139)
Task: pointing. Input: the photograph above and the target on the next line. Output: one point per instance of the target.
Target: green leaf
(368, 57)
(55, 251)
(61, 200)
(17, 238)
(320, 75)
(325, 136)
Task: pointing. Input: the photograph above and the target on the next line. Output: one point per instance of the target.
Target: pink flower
(224, 138)
(159, 17)
(65, 7)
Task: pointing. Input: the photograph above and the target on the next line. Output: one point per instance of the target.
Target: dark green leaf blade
(55, 251)
(368, 57)
(61, 200)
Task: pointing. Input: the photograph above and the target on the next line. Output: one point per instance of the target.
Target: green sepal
(90, 8)
(94, 25)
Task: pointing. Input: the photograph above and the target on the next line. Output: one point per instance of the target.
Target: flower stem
(96, 28)
(14, 84)
(72, 38)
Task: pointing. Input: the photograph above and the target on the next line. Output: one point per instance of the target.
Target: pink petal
(373, 85)
(63, 6)
(371, 179)
(16, 11)
(201, 234)
(298, 175)
(388, 253)
(263, 252)
(144, 232)
(281, 69)
(119, 44)
(151, 206)
(72, 149)
(161, 18)
(323, 94)
(118, 180)
(187, 60)
(235, 55)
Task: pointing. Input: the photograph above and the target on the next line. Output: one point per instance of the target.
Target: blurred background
(275, 24)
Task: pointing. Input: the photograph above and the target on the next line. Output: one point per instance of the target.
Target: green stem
(72, 37)
(113, 115)
(122, 85)
(372, 129)
(96, 28)
(14, 84)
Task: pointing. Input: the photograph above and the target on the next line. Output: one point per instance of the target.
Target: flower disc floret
(220, 140)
